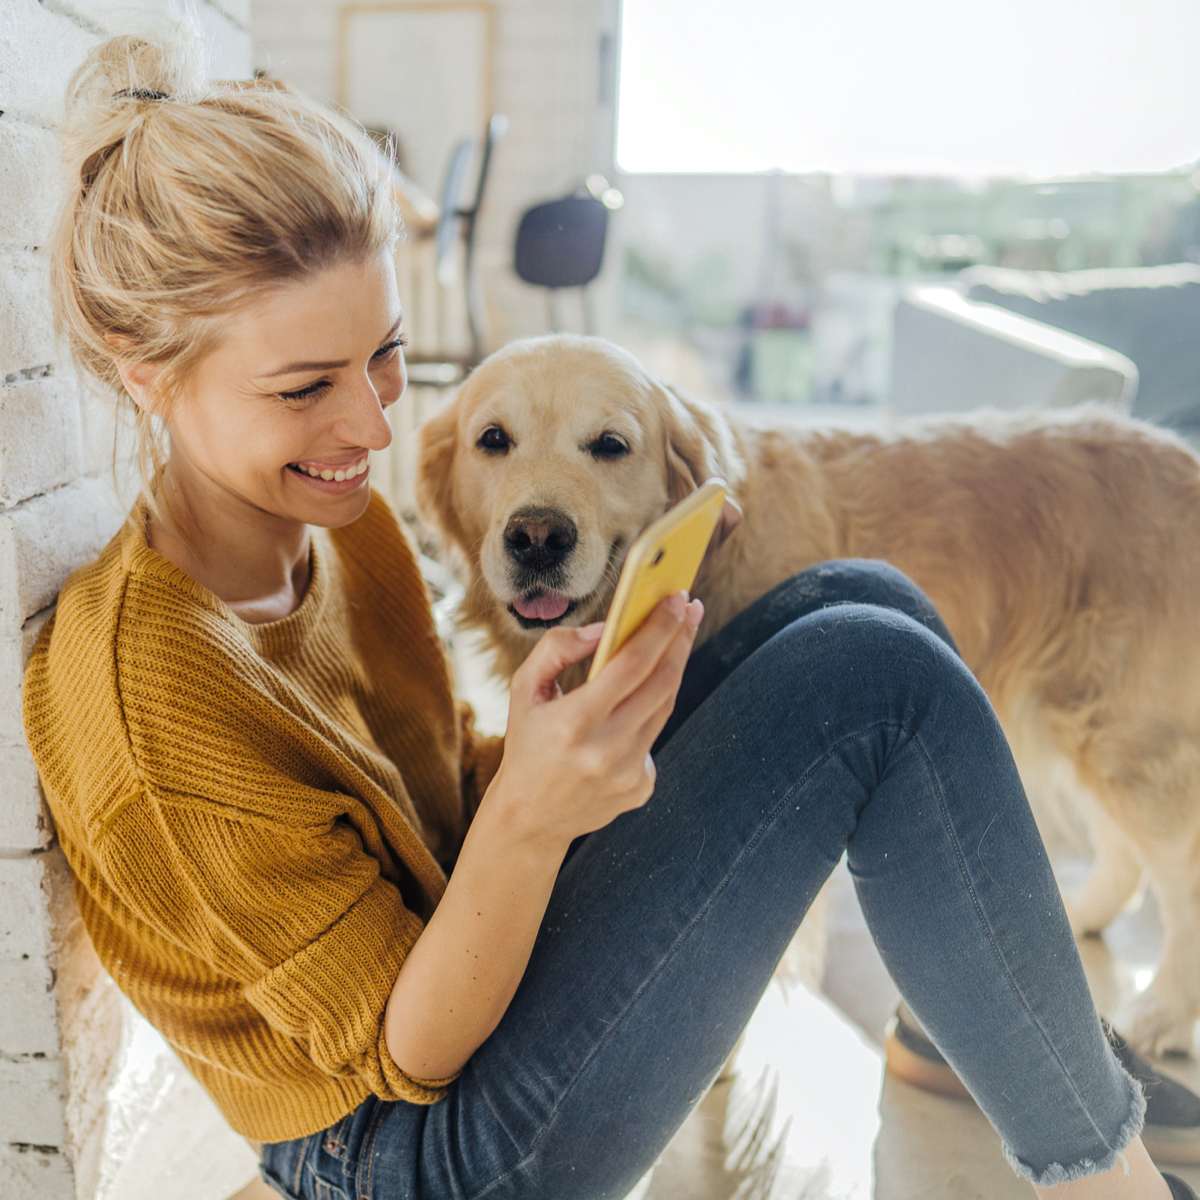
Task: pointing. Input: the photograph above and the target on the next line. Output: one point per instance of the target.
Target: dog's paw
(1157, 1026)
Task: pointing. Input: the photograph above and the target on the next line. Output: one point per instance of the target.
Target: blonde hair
(187, 199)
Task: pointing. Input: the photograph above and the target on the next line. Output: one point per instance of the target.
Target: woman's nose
(365, 418)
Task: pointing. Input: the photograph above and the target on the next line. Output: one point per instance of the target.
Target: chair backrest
(449, 203)
(452, 213)
(497, 127)
(561, 243)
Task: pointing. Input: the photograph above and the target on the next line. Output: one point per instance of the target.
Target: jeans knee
(855, 648)
(876, 581)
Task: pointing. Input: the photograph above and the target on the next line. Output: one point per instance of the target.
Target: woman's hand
(574, 762)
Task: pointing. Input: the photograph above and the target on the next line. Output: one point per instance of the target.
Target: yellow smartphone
(664, 559)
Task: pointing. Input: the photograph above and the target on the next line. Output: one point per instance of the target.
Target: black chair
(560, 244)
(454, 221)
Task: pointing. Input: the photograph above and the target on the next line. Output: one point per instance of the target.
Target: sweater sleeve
(481, 756)
(300, 917)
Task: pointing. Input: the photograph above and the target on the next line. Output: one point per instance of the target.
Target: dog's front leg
(1114, 878)
(1163, 1017)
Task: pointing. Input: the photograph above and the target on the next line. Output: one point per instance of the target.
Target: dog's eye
(493, 438)
(608, 445)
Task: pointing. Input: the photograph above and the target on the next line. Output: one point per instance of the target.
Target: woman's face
(297, 386)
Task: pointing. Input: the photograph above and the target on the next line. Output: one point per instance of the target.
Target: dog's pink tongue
(542, 606)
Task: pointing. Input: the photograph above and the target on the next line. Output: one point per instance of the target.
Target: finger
(625, 672)
(658, 688)
(647, 735)
(557, 649)
(656, 721)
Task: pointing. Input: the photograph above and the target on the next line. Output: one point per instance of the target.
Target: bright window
(958, 87)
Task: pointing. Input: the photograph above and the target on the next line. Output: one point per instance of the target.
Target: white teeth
(340, 474)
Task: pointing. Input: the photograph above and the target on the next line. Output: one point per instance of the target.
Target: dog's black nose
(539, 538)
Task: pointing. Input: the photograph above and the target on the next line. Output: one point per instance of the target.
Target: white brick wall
(60, 1023)
(545, 79)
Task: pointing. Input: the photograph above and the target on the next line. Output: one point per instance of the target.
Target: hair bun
(98, 110)
(131, 66)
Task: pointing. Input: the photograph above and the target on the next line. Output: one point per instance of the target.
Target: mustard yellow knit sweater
(259, 818)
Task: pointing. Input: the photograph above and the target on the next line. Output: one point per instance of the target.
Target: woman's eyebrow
(315, 365)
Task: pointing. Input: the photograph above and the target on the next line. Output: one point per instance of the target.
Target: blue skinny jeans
(832, 716)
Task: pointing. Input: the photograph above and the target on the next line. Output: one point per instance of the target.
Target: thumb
(557, 650)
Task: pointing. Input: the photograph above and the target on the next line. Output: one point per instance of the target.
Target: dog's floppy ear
(700, 445)
(437, 440)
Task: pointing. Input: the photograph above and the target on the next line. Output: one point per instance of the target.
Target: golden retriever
(1062, 549)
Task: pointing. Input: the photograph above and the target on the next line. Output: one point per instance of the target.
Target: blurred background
(766, 194)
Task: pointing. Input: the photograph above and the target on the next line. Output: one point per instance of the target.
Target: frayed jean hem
(1057, 1173)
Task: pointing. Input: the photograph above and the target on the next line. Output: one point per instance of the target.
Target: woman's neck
(256, 562)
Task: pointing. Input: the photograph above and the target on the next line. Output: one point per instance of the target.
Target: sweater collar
(269, 638)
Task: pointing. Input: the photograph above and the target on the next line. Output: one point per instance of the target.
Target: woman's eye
(306, 393)
(391, 347)
(312, 390)
(493, 438)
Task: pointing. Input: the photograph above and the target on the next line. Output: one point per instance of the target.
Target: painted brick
(29, 1014)
(39, 49)
(41, 934)
(14, 653)
(42, 444)
(229, 48)
(31, 1101)
(39, 904)
(41, 1171)
(25, 822)
(42, 540)
(59, 1007)
(30, 181)
(27, 345)
(11, 667)
(25, 925)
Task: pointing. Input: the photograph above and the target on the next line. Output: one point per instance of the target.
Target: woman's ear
(437, 441)
(699, 444)
(139, 379)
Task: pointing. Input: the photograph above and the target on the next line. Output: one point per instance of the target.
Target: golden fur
(1062, 549)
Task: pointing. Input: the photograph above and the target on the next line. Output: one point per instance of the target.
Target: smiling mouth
(541, 608)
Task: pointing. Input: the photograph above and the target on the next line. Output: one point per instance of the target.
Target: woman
(245, 727)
